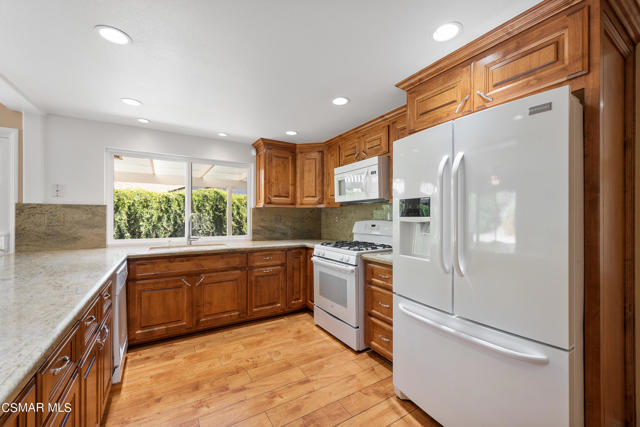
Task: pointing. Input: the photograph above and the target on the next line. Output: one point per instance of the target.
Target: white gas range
(339, 280)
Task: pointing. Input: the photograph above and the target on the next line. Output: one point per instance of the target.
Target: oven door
(335, 289)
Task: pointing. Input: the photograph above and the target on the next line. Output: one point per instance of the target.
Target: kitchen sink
(192, 246)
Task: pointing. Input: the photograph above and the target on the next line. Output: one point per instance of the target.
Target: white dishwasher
(120, 323)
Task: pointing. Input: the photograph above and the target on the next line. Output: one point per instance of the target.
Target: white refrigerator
(488, 265)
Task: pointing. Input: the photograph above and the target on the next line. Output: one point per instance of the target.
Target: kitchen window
(156, 197)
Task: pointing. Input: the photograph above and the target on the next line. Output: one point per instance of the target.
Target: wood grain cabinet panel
(374, 142)
(260, 177)
(379, 336)
(440, 99)
(547, 54)
(332, 161)
(281, 177)
(220, 298)
(296, 279)
(185, 265)
(310, 183)
(159, 307)
(378, 306)
(310, 279)
(379, 303)
(266, 290)
(90, 387)
(72, 399)
(349, 149)
(266, 258)
(105, 353)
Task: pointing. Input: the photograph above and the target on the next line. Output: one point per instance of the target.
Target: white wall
(33, 157)
(75, 154)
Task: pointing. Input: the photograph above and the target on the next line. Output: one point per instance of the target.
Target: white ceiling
(251, 68)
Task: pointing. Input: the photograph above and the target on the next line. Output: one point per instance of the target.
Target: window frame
(188, 160)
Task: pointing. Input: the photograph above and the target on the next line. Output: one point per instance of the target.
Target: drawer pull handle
(484, 96)
(267, 258)
(383, 338)
(200, 281)
(185, 282)
(90, 320)
(383, 305)
(384, 276)
(461, 104)
(66, 360)
(106, 296)
(267, 271)
(101, 341)
(355, 156)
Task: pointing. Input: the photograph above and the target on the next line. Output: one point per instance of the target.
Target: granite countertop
(44, 293)
(381, 257)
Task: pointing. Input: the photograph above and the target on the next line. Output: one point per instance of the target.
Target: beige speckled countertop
(44, 293)
(381, 257)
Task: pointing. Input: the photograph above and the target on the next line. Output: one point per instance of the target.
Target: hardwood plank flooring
(275, 372)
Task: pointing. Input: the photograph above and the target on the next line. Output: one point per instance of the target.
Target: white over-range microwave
(363, 181)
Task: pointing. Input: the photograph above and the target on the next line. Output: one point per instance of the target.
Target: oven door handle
(333, 265)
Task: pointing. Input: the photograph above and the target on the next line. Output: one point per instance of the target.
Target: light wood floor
(282, 371)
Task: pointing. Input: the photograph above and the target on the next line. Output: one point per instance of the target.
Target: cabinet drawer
(547, 54)
(89, 323)
(379, 302)
(265, 258)
(379, 337)
(440, 99)
(186, 264)
(380, 275)
(54, 374)
(69, 401)
(105, 300)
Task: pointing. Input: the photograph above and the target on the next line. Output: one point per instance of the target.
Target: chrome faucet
(190, 236)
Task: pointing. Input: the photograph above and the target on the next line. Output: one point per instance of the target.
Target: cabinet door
(105, 348)
(71, 402)
(310, 178)
(375, 142)
(309, 279)
(220, 298)
(440, 99)
(260, 178)
(349, 150)
(90, 386)
(332, 161)
(22, 418)
(280, 176)
(296, 279)
(537, 58)
(159, 307)
(266, 290)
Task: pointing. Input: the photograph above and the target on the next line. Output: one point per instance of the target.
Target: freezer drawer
(464, 374)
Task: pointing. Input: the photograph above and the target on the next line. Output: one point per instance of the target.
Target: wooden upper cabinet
(275, 173)
(547, 54)
(266, 290)
(220, 298)
(159, 307)
(332, 161)
(349, 148)
(296, 278)
(374, 142)
(440, 99)
(310, 183)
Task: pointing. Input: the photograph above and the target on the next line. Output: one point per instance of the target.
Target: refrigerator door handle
(455, 211)
(443, 165)
(526, 357)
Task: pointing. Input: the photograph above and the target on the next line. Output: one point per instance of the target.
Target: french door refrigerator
(488, 265)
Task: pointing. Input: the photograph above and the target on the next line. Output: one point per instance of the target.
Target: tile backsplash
(337, 223)
(285, 223)
(49, 227)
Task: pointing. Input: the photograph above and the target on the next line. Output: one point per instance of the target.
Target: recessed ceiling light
(145, 121)
(447, 31)
(113, 35)
(131, 101)
(222, 134)
(341, 100)
(291, 132)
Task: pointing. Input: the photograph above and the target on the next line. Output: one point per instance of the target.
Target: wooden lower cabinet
(310, 279)
(296, 279)
(69, 407)
(220, 298)
(159, 307)
(266, 290)
(105, 354)
(22, 418)
(378, 306)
